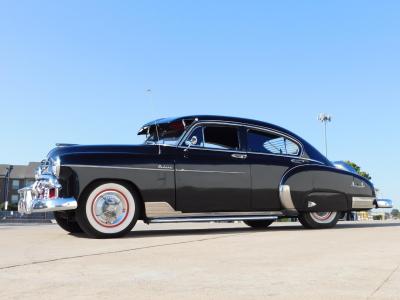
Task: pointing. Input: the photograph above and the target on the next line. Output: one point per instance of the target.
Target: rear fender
(324, 188)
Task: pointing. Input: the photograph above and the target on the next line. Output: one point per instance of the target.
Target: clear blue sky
(77, 71)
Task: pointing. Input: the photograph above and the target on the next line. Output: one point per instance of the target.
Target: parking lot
(203, 261)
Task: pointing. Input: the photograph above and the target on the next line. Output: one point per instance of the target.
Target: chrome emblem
(165, 167)
(311, 204)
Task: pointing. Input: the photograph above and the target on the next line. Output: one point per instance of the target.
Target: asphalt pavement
(357, 260)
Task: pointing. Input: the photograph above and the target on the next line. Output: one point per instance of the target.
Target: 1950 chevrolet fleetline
(192, 169)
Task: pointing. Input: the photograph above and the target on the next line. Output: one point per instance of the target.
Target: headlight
(49, 167)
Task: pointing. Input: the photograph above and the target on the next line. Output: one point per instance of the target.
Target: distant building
(20, 177)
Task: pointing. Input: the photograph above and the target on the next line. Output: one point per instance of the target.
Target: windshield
(164, 134)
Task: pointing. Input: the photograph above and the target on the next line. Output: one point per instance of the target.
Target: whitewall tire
(108, 210)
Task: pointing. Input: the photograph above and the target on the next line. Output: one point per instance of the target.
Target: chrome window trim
(194, 126)
(195, 146)
(280, 134)
(261, 128)
(216, 150)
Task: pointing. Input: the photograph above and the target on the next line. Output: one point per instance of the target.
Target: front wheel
(66, 220)
(319, 220)
(108, 210)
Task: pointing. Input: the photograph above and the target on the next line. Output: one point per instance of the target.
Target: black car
(195, 168)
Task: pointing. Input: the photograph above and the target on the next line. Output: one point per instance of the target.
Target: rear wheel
(258, 224)
(66, 220)
(108, 210)
(319, 220)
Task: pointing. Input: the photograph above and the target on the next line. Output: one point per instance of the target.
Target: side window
(15, 184)
(221, 137)
(197, 136)
(263, 142)
(14, 198)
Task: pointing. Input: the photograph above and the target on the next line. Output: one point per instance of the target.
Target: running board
(209, 219)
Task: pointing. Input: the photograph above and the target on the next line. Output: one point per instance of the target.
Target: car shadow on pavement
(184, 232)
(239, 230)
(366, 225)
(206, 231)
(244, 230)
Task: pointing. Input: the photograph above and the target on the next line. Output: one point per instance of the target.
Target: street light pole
(325, 118)
(6, 186)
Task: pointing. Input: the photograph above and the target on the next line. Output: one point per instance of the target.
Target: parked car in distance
(195, 169)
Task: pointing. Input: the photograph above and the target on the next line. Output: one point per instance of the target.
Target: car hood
(63, 151)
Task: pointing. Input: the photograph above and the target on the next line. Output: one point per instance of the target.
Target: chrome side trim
(315, 165)
(164, 210)
(288, 156)
(257, 153)
(363, 202)
(210, 219)
(206, 171)
(154, 209)
(286, 198)
(117, 167)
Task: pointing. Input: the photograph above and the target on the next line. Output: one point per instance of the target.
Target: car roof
(309, 149)
(221, 119)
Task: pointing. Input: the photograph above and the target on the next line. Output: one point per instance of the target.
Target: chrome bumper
(384, 203)
(42, 196)
(29, 204)
(363, 202)
(371, 202)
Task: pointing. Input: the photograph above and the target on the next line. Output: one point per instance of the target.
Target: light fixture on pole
(325, 118)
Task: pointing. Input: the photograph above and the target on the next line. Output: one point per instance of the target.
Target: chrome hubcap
(323, 217)
(110, 208)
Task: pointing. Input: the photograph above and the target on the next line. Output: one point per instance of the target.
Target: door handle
(298, 161)
(240, 156)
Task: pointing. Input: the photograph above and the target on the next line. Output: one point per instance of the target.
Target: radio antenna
(150, 94)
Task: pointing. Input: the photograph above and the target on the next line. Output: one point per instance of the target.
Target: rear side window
(221, 137)
(264, 142)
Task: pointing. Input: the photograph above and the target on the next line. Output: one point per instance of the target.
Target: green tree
(395, 213)
(358, 169)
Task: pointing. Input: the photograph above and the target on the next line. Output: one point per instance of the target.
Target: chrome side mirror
(193, 141)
